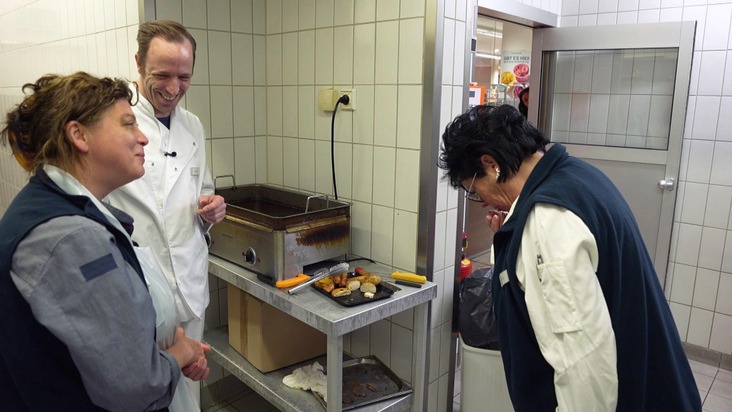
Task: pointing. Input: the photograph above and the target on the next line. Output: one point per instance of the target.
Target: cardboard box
(267, 337)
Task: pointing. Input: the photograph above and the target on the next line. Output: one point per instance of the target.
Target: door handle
(667, 184)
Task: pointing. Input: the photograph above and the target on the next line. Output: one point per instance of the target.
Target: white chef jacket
(556, 268)
(164, 202)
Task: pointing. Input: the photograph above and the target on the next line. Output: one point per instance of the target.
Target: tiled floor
(715, 387)
(230, 395)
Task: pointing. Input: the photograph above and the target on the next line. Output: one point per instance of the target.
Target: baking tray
(367, 380)
(356, 297)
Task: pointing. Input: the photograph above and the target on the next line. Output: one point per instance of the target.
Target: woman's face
(116, 148)
(491, 192)
(525, 98)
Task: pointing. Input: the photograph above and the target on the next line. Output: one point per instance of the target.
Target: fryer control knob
(250, 256)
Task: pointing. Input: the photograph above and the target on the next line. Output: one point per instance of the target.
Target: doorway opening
(501, 70)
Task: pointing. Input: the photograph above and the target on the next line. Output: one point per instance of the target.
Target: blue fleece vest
(36, 369)
(653, 372)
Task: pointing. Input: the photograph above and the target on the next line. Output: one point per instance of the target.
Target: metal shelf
(335, 321)
(270, 386)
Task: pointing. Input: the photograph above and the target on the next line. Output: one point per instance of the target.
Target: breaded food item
(325, 284)
(353, 284)
(338, 292)
(375, 279)
(368, 287)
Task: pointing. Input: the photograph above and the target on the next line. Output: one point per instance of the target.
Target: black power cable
(343, 99)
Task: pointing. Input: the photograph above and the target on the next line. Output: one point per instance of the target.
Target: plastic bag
(476, 320)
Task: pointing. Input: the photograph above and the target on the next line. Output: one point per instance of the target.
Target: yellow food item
(508, 78)
(288, 283)
(409, 277)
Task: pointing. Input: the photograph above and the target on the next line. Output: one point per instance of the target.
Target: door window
(619, 98)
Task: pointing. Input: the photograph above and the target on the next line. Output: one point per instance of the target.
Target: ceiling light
(490, 33)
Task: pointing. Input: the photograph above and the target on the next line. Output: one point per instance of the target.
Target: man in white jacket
(174, 203)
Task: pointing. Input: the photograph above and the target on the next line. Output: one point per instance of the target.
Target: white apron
(165, 322)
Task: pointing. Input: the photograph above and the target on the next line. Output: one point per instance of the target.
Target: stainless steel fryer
(276, 232)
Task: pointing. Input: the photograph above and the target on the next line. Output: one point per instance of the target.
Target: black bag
(476, 320)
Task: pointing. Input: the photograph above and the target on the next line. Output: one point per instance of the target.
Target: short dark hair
(498, 131)
(169, 30)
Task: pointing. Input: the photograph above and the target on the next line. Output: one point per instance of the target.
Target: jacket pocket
(559, 298)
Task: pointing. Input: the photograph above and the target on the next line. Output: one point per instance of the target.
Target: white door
(616, 97)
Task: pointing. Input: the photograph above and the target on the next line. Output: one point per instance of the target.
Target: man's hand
(211, 208)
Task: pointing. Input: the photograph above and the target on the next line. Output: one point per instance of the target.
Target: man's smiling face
(167, 74)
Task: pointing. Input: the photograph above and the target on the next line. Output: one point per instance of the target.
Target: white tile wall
(387, 46)
(724, 306)
(682, 290)
(721, 338)
(681, 314)
(700, 327)
(705, 289)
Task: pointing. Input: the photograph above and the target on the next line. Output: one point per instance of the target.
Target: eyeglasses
(469, 194)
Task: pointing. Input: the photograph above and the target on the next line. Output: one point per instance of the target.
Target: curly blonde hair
(35, 129)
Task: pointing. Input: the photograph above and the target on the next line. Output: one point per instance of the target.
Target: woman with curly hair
(78, 323)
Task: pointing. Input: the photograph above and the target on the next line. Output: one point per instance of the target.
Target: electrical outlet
(327, 99)
(351, 106)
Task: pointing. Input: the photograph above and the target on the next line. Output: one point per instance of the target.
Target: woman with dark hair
(582, 320)
(78, 324)
(523, 105)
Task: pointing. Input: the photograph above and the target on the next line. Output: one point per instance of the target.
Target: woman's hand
(197, 370)
(495, 219)
(190, 354)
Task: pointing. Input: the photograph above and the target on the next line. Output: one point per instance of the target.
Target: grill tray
(367, 380)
